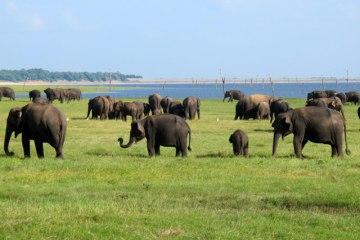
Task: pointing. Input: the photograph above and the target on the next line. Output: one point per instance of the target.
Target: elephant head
(14, 124)
(137, 133)
(283, 126)
(226, 95)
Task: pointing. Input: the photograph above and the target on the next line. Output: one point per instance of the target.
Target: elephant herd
(322, 120)
(105, 107)
(162, 121)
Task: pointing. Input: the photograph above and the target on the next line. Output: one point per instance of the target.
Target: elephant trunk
(88, 113)
(275, 142)
(131, 141)
(7, 141)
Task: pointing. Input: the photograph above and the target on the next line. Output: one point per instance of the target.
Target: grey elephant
(55, 93)
(263, 111)
(154, 102)
(278, 106)
(191, 107)
(315, 124)
(353, 97)
(250, 104)
(165, 130)
(40, 122)
(34, 94)
(73, 94)
(177, 108)
(233, 94)
(99, 107)
(7, 92)
(165, 103)
(240, 142)
(134, 109)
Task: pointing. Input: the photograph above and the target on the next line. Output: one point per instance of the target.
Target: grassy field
(100, 191)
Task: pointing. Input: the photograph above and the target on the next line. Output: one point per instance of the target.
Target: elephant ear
(333, 104)
(288, 123)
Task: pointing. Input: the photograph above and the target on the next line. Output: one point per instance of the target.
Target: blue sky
(183, 38)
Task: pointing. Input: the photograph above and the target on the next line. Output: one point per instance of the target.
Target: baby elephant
(240, 142)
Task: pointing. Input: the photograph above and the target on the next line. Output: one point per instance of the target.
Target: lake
(213, 91)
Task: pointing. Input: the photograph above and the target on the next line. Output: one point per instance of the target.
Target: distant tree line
(45, 75)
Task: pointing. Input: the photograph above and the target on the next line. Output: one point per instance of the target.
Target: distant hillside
(45, 75)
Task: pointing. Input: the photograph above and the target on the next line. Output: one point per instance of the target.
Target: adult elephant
(73, 94)
(40, 122)
(134, 109)
(117, 110)
(154, 102)
(332, 102)
(165, 104)
(263, 111)
(278, 106)
(7, 92)
(353, 97)
(55, 93)
(315, 124)
(330, 93)
(99, 107)
(34, 94)
(191, 107)
(316, 94)
(233, 94)
(166, 130)
(177, 108)
(250, 103)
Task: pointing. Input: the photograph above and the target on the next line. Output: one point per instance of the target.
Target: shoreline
(172, 82)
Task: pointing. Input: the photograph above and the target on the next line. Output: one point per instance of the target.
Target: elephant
(342, 97)
(165, 103)
(331, 102)
(278, 106)
(154, 102)
(7, 92)
(134, 109)
(263, 111)
(191, 107)
(34, 94)
(166, 130)
(330, 93)
(240, 108)
(315, 124)
(40, 122)
(240, 142)
(353, 97)
(233, 94)
(316, 94)
(99, 107)
(55, 93)
(246, 108)
(116, 114)
(73, 94)
(177, 108)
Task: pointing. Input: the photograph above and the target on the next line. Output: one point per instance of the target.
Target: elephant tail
(189, 147)
(347, 150)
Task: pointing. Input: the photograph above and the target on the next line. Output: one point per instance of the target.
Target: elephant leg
(157, 149)
(339, 147)
(297, 142)
(334, 152)
(183, 147)
(39, 149)
(151, 149)
(26, 145)
(198, 113)
(246, 151)
(133, 117)
(177, 152)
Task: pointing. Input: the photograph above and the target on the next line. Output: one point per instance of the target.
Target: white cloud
(30, 19)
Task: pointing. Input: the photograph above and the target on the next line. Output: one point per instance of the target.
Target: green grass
(100, 191)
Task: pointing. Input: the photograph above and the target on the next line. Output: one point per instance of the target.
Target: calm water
(211, 91)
